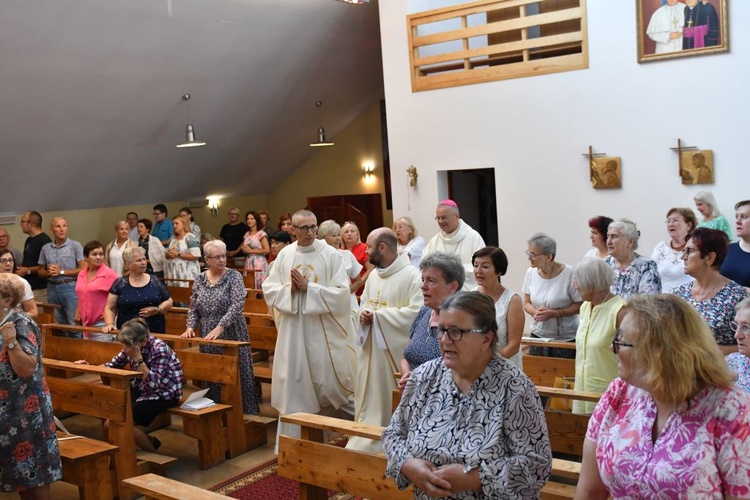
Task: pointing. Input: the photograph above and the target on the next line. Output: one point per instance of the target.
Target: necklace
(708, 292)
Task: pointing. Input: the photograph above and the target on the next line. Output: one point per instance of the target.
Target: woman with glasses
(216, 306)
(673, 425)
(710, 293)
(668, 254)
(469, 424)
(27, 303)
(352, 241)
(634, 273)
(740, 361)
(549, 297)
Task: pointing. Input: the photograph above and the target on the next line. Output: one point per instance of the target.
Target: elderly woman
(408, 241)
(27, 303)
(216, 305)
(740, 361)
(137, 294)
(92, 290)
(598, 233)
(256, 247)
(470, 424)
(737, 264)
(673, 425)
(29, 455)
(705, 203)
(442, 275)
(600, 316)
(152, 247)
(710, 293)
(160, 386)
(113, 252)
(330, 231)
(183, 253)
(490, 265)
(668, 255)
(549, 297)
(194, 228)
(352, 242)
(634, 273)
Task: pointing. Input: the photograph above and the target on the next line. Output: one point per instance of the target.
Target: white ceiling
(91, 107)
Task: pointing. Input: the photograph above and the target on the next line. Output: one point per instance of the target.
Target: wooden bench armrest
(95, 369)
(566, 468)
(50, 327)
(200, 340)
(163, 488)
(321, 422)
(554, 392)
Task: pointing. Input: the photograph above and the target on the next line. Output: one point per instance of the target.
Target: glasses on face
(306, 229)
(217, 257)
(743, 328)
(443, 218)
(674, 220)
(456, 334)
(687, 251)
(532, 255)
(617, 343)
(6, 261)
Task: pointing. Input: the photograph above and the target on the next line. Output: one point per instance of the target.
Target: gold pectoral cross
(376, 303)
(690, 22)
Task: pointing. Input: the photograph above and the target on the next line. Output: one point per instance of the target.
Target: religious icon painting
(681, 28)
(606, 172)
(697, 167)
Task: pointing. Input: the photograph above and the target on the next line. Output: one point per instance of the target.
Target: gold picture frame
(676, 29)
(697, 166)
(606, 172)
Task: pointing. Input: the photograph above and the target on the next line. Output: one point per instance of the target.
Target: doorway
(474, 192)
(365, 210)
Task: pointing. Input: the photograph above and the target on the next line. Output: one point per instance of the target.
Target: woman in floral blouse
(634, 273)
(740, 361)
(673, 425)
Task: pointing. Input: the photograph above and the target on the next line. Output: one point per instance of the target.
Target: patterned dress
(258, 263)
(740, 364)
(703, 450)
(423, 344)
(640, 277)
(179, 268)
(498, 427)
(29, 455)
(221, 304)
(718, 311)
(131, 299)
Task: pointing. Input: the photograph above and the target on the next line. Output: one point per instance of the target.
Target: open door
(365, 210)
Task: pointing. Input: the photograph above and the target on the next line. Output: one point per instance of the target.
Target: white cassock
(311, 368)
(464, 241)
(664, 21)
(394, 296)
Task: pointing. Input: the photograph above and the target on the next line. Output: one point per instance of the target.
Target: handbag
(561, 404)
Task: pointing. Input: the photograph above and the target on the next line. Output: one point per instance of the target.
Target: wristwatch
(468, 468)
(28, 271)
(11, 346)
(62, 273)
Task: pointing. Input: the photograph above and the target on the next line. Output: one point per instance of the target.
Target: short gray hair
(133, 332)
(449, 266)
(592, 274)
(547, 245)
(129, 254)
(303, 213)
(742, 304)
(708, 198)
(627, 228)
(327, 227)
(212, 246)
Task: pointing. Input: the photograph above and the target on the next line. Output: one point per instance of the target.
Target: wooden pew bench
(319, 466)
(86, 463)
(154, 487)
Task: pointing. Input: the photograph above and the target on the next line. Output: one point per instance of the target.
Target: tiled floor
(176, 444)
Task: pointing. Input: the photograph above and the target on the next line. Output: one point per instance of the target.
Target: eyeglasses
(743, 328)
(6, 261)
(217, 257)
(456, 334)
(617, 343)
(687, 251)
(532, 255)
(443, 218)
(675, 220)
(306, 229)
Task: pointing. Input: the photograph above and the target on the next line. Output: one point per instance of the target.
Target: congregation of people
(665, 338)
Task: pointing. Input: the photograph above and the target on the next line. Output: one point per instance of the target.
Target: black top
(31, 250)
(233, 236)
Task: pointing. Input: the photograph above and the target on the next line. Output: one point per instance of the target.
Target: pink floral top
(702, 452)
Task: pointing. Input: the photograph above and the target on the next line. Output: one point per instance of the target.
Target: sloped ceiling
(91, 95)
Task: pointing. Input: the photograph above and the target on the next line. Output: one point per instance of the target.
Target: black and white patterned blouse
(498, 426)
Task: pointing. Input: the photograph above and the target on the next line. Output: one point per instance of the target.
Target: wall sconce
(412, 174)
(368, 169)
(213, 205)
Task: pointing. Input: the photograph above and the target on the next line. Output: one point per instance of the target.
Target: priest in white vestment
(455, 237)
(390, 302)
(307, 290)
(665, 27)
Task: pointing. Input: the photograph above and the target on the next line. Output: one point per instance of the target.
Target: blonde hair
(675, 351)
(347, 225)
(185, 222)
(407, 221)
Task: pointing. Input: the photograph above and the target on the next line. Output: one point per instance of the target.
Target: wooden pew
(46, 312)
(254, 302)
(86, 463)
(206, 425)
(154, 487)
(110, 402)
(319, 466)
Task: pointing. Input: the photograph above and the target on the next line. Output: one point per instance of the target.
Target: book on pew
(538, 339)
(197, 401)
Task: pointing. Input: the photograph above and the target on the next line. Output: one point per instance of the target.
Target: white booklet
(197, 400)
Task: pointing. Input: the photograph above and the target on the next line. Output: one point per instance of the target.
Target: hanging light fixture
(190, 141)
(321, 132)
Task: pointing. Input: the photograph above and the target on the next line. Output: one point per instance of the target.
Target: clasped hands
(299, 281)
(437, 481)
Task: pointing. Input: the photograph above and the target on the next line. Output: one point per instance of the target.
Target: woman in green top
(706, 204)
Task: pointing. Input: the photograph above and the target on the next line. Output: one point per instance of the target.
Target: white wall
(534, 130)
